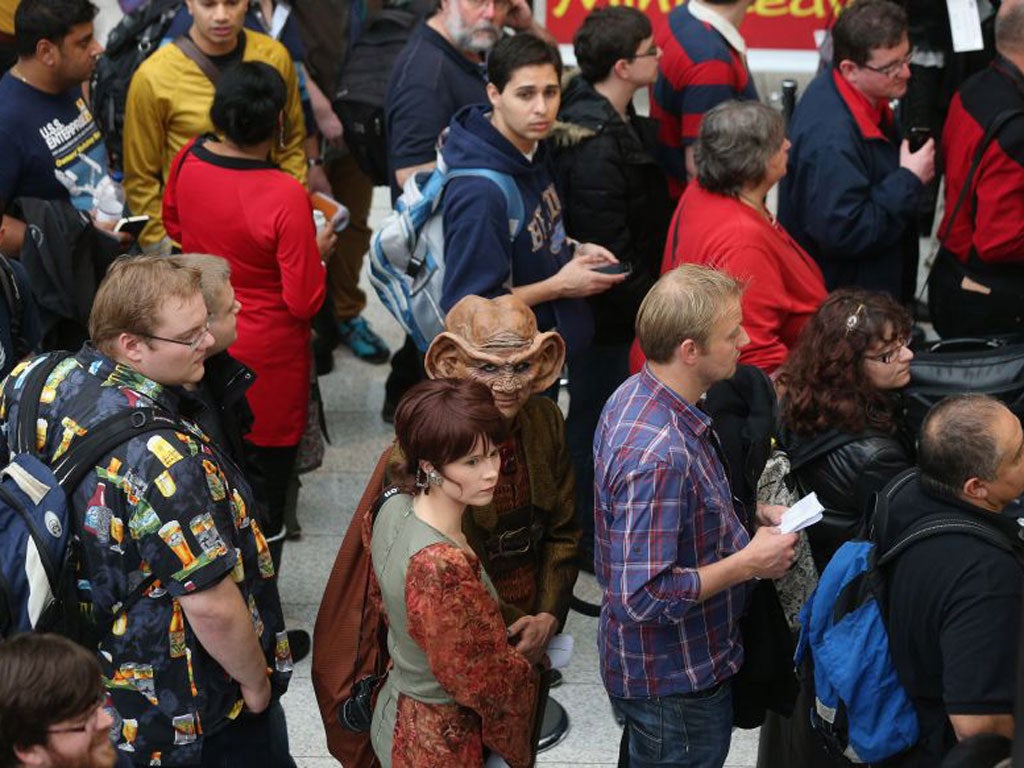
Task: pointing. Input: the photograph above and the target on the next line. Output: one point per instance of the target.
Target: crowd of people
(697, 331)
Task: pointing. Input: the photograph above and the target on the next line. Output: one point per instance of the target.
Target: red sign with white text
(786, 24)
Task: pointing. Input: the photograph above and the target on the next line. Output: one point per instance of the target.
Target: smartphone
(622, 268)
(917, 137)
(132, 225)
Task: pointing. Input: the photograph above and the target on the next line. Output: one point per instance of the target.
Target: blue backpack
(860, 708)
(39, 549)
(407, 250)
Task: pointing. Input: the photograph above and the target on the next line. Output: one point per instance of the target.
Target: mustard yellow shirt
(7, 9)
(169, 103)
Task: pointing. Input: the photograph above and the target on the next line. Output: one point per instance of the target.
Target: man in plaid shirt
(672, 553)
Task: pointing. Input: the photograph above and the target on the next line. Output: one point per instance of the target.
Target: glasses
(192, 344)
(499, 5)
(654, 50)
(893, 68)
(90, 722)
(890, 355)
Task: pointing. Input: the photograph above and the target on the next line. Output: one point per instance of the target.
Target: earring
(280, 135)
(434, 478)
(421, 479)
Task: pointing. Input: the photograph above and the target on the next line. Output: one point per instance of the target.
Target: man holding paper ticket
(672, 552)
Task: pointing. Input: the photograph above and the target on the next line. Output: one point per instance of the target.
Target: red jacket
(784, 284)
(259, 219)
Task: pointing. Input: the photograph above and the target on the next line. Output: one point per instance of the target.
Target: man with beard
(53, 706)
(440, 71)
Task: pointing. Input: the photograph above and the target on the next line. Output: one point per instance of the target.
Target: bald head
(1010, 28)
(965, 438)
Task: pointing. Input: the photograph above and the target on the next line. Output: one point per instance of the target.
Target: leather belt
(517, 541)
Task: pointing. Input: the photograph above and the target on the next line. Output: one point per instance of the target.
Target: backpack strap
(936, 525)
(200, 59)
(507, 185)
(24, 438)
(993, 130)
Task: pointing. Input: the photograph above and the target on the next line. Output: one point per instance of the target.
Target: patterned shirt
(702, 64)
(663, 508)
(168, 505)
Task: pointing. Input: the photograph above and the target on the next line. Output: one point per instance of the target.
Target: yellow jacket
(169, 103)
(7, 9)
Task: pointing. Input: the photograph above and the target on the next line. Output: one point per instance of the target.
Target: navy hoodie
(478, 254)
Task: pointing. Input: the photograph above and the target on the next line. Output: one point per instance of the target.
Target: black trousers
(274, 470)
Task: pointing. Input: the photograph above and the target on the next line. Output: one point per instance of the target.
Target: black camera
(356, 712)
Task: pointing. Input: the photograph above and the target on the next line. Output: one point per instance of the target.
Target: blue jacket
(479, 258)
(845, 198)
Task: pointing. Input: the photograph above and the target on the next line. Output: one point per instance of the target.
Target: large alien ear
(547, 360)
(446, 355)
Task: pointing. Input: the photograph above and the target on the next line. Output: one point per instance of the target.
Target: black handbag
(959, 366)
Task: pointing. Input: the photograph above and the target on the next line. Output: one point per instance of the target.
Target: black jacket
(613, 194)
(845, 471)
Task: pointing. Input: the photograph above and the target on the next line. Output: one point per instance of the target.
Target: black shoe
(300, 643)
(387, 413)
(554, 678)
(293, 534)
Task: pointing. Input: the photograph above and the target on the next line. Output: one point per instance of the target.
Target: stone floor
(353, 395)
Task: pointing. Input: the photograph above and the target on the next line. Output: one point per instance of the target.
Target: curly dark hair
(823, 384)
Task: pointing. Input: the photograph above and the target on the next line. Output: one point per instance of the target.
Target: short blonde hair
(214, 274)
(132, 293)
(685, 303)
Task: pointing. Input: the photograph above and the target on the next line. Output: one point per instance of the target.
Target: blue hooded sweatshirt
(478, 254)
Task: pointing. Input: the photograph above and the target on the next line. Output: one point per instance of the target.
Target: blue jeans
(252, 741)
(681, 731)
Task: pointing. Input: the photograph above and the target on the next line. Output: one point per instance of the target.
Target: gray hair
(736, 140)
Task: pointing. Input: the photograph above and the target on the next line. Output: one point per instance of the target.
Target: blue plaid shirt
(663, 508)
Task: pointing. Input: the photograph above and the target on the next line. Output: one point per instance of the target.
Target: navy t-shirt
(52, 147)
(430, 82)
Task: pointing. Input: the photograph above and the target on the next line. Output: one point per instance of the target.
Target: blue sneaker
(364, 343)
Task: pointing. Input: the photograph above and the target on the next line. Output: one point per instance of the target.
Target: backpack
(406, 258)
(130, 43)
(350, 654)
(361, 93)
(860, 708)
(40, 553)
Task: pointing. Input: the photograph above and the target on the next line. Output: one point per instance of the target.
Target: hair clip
(854, 320)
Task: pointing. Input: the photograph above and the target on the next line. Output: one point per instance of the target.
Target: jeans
(252, 741)
(681, 731)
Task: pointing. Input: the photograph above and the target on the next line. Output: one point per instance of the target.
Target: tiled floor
(353, 395)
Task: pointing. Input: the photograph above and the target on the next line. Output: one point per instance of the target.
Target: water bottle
(109, 197)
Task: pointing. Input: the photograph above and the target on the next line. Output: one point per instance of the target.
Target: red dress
(259, 219)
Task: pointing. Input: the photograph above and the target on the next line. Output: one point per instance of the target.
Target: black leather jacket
(845, 471)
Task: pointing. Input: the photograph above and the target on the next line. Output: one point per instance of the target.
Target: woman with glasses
(457, 687)
(224, 197)
(840, 410)
(840, 420)
(722, 221)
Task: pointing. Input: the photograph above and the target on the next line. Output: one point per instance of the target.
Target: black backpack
(363, 88)
(131, 42)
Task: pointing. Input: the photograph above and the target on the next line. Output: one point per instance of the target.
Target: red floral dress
(455, 620)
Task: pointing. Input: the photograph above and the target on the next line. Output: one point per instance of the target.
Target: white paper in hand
(560, 650)
(804, 513)
(965, 25)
